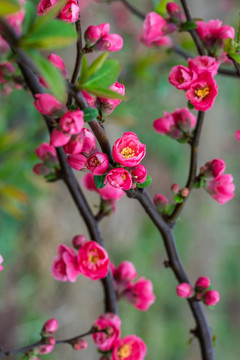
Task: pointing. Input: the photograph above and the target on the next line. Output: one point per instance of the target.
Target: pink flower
(140, 294)
(4, 47)
(184, 119)
(202, 283)
(111, 323)
(15, 20)
(79, 344)
(184, 290)
(65, 267)
(160, 201)
(83, 142)
(98, 163)
(111, 42)
(78, 241)
(93, 261)
(202, 63)
(1, 261)
(45, 349)
(45, 151)
(77, 161)
(108, 105)
(58, 137)
(50, 326)
(130, 347)
(119, 178)
(94, 33)
(139, 173)
(70, 12)
(124, 274)
(72, 122)
(175, 11)
(128, 151)
(45, 5)
(202, 92)
(47, 104)
(58, 62)
(237, 135)
(164, 124)
(154, 28)
(213, 33)
(182, 77)
(214, 168)
(211, 298)
(221, 188)
(91, 100)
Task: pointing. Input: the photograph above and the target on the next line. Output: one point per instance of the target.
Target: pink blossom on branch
(111, 323)
(111, 42)
(93, 261)
(130, 347)
(202, 63)
(182, 77)
(47, 104)
(98, 163)
(211, 298)
(119, 178)
(140, 294)
(94, 33)
(154, 30)
(72, 122)
(221, 188)
(58, 137)
(184, 290)
(69, 13)
(65, 266)
(1, 261)
(139, 173)
(78, 241)
(128, 150)
(237, 135)
(77, 161)
(214, 168)
(44, 151)
(160, 201)
(213, 33)
(109, 105)
(123, 275)
(202, 283)
(50, 326)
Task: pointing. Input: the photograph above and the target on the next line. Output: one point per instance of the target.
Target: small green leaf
(160, 8)
(183, 141)
(29, 18)
(178, 199)
(98, 63)
(103, 92)
(51, 177)
(190, 106)
(189, 25)
(197, 185)
(168, 210)
(228, 45)
(105, 76)
(84, 69)
(51, 75)
(90, 114)
(99, 181)
(8, 7)
(146, 183)
(55, 34)
(235, 57)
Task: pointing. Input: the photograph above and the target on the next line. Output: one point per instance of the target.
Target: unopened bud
(202, 283)
(184, 290)
(79, 344)
(160, 201)
(211, 298)
(78, 241)
(50, 326)
(184, 192)
(50, 340)
(175, 188)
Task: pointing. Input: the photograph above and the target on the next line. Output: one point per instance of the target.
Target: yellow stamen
(202, 92)
(96, 162)
(93, 258)
(127, 152)
(124, 177)
(124, 351)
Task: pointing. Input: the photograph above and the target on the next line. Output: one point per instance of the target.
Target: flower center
(96, 162)
(127, 152)
(124, 351)
(124, 177)
(202, 92)
(93, 258)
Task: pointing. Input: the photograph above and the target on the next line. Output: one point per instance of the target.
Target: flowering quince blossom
(202, 63)
(79, 344)
(50, 326)
(98, 163)
(1, 261)
(154, 30)
(160, 201)
(45, 349)
(65, 266)
(47, 104)
(237, 135)
(77, 161)
(184, 290)
(202, 92)
(128, 151)
(83, 142)
(69, 13)
(123, 275)
(111, 323)
(58, 63)
(177, 125)
(78, 241)
(139, 173)
(98, 38)
(213, 168)
(211, 298)
(202, 283)
(94, 33)
(221, 188)
(175, 12)
(119, 178)
(130, 347)
(140, 294)
(48, 155)
(182, 77)
(93, 261)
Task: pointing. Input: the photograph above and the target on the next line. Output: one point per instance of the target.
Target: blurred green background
(37, 216)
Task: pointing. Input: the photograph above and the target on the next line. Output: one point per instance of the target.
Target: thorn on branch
(166, 264)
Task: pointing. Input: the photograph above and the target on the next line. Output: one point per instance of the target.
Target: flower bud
(1, 261)
(111, 42)
(211, 298)
(184, 290)
(79, 344)
(50, 340)
(78, 240)
(139, 173)
(175, 11)
(77, 161)
(47, 104)
(175, 188)
(58, 137)
(237, 135)
(160, 201)
(50, 326)
(184, 192)
(202, 283)
(41, 169)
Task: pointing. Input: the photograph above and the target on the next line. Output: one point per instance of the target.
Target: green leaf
(168, 210)
(51, 177)
(51, 75)
(103, 92)
(178, 199)
(99, 181)
(55, 34)
(188, 25)
(90, 114)
(8, 7)
(105, 76)
(146, 183)
(229, 45)
(235, 57)
(29, 18)
(97, 63)
(160, 8)
(190, 106)
(84, 69)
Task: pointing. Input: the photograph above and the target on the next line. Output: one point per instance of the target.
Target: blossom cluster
(98, 38)
(69, 13)
(48, 155)
(197, 80)
(129, 347)
(91, 261)
(200, 291)
(139, 293)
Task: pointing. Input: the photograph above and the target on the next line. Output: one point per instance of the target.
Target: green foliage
(178, 199)
(97, 63)
(146, 183)
(51, 75)
(188, 25)
(8, 7)
(190, 106)
(90, 114)
(232, 48)
(99, 181)
(160, 7)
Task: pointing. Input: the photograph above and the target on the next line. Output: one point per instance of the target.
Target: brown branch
(236, 65)
(134, 10)
(79, 52)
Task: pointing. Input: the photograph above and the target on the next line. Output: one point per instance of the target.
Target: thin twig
(236, 65)
(134, 10)
(79, 52)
